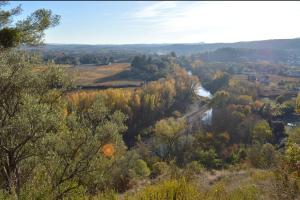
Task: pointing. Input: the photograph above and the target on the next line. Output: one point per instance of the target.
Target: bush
(160, 168)
(141, 168)
(263, 156)
(207, 158)
(268, 156)
(284, 186)
(193, 168)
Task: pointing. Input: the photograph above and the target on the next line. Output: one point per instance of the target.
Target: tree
(220, 99)
(262, 132)
(168, 131)
(294, 135)
(208, 158)
(292, 155)
(30, 109)
(43, 139)
(298, 103)
(151, 68)
(288, 107)
(244, 99)
(220, 79)
(268, 156)
(29, 31)
(76, 154)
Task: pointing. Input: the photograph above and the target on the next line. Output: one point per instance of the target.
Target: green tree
(298, 103)
(294, 135)
(262, 132)
(30, 109)
(75, 156)
(219, 81)
(208, 158)
(29, 31)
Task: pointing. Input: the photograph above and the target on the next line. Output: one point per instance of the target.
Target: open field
(103, 75)
(274, 88)
(274, 79)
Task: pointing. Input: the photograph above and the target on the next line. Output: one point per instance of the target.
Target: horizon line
(196, 43)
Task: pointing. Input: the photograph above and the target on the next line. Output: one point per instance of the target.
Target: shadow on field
(124, 75)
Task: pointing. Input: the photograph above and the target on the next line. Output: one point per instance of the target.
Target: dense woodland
(58, 142)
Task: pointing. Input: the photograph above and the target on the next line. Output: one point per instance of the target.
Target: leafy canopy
(29, 31)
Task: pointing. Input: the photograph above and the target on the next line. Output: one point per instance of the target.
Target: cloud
(221, 21)
(156, 10)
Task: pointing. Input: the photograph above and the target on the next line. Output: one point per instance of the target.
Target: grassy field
(103, 75)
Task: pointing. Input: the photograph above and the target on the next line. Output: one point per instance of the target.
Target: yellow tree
(262, 132)
(168, 131)
(298, 103)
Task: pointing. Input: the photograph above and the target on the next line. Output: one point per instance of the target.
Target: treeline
(86, 55)
(153, 67)
(84, 59)
(150, 67)
(96, 59)
(146, 105)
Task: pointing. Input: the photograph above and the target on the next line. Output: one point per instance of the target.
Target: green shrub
(193, 168)
(207, 158)
(262, 156)
(141, 168)
(160, 168)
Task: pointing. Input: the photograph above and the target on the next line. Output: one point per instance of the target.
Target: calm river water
(202, 92)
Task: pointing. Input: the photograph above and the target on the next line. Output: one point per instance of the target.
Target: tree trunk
(11, 173)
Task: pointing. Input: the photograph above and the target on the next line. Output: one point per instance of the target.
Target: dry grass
(232, 184)
(90, 75)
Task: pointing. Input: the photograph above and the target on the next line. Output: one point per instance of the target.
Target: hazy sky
(169, 22)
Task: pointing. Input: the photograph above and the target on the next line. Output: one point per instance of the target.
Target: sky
(148, 22)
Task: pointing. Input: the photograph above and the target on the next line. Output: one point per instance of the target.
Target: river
(202, 92)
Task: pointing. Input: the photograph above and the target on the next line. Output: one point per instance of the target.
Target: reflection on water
(207, 118)
(202, 92)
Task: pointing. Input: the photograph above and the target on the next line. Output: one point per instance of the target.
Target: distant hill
(228, 54)
(283, 51)
(290, 45)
